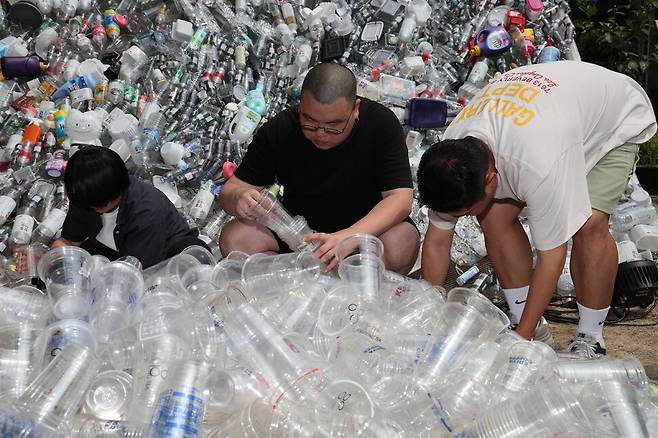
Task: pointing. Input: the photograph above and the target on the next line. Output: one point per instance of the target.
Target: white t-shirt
(106, 234)
(547, 126)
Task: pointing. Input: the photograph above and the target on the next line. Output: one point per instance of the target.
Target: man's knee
(596, 227)
(401, 246)
(238, 236)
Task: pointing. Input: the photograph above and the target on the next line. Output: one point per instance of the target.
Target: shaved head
(329, 82)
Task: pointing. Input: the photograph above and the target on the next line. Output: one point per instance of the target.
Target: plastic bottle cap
(228, 169)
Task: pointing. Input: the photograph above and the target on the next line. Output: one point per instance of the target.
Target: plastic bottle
(10, 199)
(202, 202)
(491, 42)
(30, 139)
(21, 232)
(54, 220)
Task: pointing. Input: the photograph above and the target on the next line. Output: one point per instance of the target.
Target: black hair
(451, 174)
(95, 176)
(328, 82)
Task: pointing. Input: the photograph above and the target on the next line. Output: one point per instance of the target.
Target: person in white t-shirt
(562, 139)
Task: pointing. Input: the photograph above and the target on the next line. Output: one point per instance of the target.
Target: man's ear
(357, 107)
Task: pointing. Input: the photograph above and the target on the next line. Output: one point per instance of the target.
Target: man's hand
(327, 243)
(245, 207)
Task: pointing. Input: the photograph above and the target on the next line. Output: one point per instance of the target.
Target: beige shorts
(607, 181)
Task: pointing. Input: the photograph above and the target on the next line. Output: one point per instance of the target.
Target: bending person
(114, 214)
(562, 139)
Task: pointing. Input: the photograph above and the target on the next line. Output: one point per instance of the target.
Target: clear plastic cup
(200, 253)
(298, 311)
(614, 407)
(161, 293)
(466, 320)
(66, 272)
(343, 408)
(267, 275)
(364, 272)
(95, 428)
(359, 243)
(152, 362)
(232, 390)
(21, 351)
(24, 303)
(271, 213)
(527, 362)
(627, 369)
(198, 282)
(116, 288)
(122, 348)
(257, 420)
(229, 269)
(55, 394)
(343, 311)
(546, 410)
(108, 395)
(261, 346)
(182, 400)
(65, 332)
(13, 424)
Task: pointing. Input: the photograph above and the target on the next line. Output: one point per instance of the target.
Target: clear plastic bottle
(202, 202)
(633, 216)
(53, 221)
(21, 232)
(10, 199)
(214, 225)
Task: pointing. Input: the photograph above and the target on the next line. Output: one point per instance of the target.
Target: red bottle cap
(120, 20)
(228, 168)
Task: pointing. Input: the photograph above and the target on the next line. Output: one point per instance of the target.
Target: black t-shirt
(335, 188)
(146, 223)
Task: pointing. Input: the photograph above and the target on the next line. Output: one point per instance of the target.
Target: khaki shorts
(607, 181)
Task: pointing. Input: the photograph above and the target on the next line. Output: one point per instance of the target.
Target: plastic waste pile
(273, 346)
(179, 88)
(265, 346)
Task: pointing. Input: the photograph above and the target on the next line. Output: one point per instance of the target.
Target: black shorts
(285, 249)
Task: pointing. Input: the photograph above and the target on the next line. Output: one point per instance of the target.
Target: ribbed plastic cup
(21, 352)
(66, 272)
(55, 394)
(109, 394)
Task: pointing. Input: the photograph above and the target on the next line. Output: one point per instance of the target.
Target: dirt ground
(641, 342)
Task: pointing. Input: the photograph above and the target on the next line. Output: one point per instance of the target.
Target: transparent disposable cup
(13, 424)
(271, 213)
(266, 275)
(364, 272)
(122, 348)
(298, 311)
(527, 362)
(465, 321)
(64, 332)
(116, 288)
(66, 272)
(200, 253)
(254, 421)
(161, 293)
(232, 390)
(55, 394)
(229, 269)
(195, 325)
(96, 428)
(197, 281)
(343, 310)
(614, 407)
(627, 369)
(359, 243)
(343, 408)
(152, 362)
(109, 394)
(21, 352)
(546, 410)
(24, 303)
(182, 400)
(412, 304)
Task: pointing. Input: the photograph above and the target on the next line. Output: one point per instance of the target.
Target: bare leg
(247, 236)
(401, 245)
(594, 262)
(507, 244)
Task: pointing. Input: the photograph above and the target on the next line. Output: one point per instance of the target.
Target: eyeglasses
(331, 131)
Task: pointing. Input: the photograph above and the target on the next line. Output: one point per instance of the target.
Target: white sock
(516, 299)
(591, 322)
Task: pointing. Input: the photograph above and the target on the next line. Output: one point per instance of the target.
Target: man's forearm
(388, 212)
(228, 198)
(542, 286)
(435, 261)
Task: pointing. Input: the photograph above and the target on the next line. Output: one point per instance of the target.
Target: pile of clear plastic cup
(274, 346)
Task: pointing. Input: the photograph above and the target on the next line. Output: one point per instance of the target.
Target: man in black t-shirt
(343, 164)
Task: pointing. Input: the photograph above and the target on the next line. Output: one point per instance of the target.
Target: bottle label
(52, 222)
(7, 205)
(23, 224)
